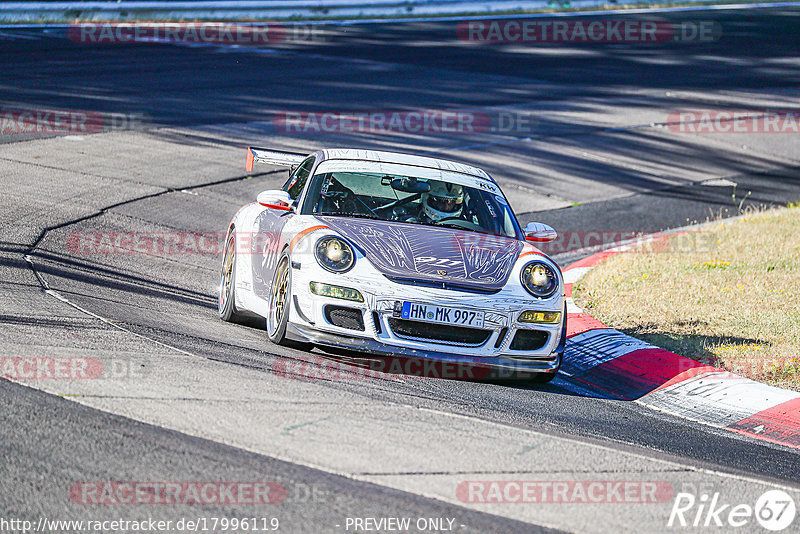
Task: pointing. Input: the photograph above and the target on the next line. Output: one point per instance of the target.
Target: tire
(527, 378)
(545, 378)
(226, 304)
(280, 300)
(542, 378)
(524, 379)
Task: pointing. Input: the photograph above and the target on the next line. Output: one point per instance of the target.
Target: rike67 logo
(775, 510)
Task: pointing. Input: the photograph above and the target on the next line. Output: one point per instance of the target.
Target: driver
(443, 201)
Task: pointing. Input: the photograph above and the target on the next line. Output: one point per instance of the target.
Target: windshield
(409, 199)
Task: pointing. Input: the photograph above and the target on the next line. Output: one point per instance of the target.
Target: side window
(297, 181)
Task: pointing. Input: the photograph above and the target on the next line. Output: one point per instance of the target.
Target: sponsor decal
(420, 251)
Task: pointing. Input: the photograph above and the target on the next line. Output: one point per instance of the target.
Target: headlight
(334, 254)
(531, 316)
(539, 279)
(336, 292)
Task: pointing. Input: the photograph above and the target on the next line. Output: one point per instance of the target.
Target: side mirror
(540, 233)
(276, 199)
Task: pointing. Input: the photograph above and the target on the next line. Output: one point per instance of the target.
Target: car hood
(429, 254)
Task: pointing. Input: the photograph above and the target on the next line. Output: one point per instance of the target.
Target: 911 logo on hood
(439, 261)
(420, 252)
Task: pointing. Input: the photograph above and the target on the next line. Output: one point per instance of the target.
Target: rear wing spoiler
(272, 157)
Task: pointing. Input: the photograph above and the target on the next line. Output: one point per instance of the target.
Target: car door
(268, 227)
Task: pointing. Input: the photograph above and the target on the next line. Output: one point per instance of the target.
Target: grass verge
(727, 295)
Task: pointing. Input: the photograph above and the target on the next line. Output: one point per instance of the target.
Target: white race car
(395, 255)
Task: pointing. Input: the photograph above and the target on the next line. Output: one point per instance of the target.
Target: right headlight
(539, 279)
(334, 254)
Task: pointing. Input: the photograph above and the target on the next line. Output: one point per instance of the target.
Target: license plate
(441, 314)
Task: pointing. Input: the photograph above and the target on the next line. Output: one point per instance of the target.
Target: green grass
(727, 295)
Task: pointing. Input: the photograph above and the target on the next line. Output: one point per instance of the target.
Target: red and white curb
(622, 367)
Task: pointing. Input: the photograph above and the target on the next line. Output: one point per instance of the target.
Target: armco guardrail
(33, 12)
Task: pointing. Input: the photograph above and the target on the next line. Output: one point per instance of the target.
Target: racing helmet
(443, 200)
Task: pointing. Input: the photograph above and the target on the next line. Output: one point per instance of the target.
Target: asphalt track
(196, 399)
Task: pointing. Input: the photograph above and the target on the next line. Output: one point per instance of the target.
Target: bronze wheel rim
(279, 296)
(227, 274)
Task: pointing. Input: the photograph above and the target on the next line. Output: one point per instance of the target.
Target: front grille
(458, 335)
(529, 340)
(344, 317)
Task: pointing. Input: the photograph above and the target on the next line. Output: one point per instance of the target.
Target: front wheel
(542, 378)
(280, 298)
(546, 378)
(526, 378)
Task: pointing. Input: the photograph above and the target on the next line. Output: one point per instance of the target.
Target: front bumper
(499, 366)
(375, 335)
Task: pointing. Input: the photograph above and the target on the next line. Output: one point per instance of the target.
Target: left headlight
(334, 254)
(539, 279)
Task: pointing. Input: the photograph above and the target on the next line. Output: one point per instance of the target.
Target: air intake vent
(529, 340)
(454, 335)
(344, 317)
